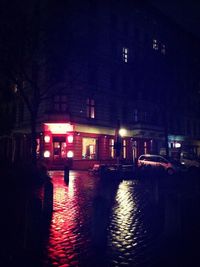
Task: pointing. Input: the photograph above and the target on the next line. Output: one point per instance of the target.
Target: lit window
(89, 148)
(125, 54)
(155, 44)
(124, 149)
(60, 103)
(145, 147)
(111, 148)
(90, 108)
(163, 49)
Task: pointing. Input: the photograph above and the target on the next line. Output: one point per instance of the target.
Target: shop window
(90, 108)
(111, 148)
(124, 154)
(89, 148)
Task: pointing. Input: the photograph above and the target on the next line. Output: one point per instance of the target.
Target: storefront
(82, 146)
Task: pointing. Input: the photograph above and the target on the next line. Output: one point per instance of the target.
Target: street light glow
(122, 132)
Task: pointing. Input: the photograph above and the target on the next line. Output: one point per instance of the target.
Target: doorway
(59, 148)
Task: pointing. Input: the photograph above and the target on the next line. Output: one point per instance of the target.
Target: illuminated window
(124, 149)
(125, 54)
(155, 44)
(111, 148)
(90, 108)
(60, 103)
(89, 148)
(145, 147)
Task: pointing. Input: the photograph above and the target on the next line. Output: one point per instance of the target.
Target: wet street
(127, 222)
(148, 220)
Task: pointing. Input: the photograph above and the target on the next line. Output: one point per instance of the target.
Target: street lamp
(120, 132)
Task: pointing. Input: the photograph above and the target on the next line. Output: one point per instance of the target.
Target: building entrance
(59, 148)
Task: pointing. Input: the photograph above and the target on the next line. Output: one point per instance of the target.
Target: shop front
(57, 144)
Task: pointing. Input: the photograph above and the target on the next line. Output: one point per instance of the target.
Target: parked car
(189, 161)
(157, 162)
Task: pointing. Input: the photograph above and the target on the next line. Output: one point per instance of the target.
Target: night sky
(185, 13)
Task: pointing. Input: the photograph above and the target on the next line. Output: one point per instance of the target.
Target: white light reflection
(124, 216)
(71, 186)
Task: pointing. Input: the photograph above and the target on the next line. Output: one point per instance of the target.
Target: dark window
(60, 103)
(21, 112)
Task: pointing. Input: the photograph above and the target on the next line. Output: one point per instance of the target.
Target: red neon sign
(58, 128)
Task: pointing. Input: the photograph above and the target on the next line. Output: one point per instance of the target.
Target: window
(111, 148)
(145, 147)
(135, 154)
(60, 103)
(124, 149)
(155, 44)
(90, 108)
(163, 49)
(125, 54)
(144, 116)
(135, 115)
(89, 148)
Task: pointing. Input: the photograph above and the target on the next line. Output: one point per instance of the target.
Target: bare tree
(25, 56)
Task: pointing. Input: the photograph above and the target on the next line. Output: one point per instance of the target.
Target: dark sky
(185, 12)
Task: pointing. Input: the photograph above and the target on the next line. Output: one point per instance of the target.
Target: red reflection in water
(65, 237)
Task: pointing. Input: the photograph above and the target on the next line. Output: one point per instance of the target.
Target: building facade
(117, 62)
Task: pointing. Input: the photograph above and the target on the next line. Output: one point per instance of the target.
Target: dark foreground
(146, 220)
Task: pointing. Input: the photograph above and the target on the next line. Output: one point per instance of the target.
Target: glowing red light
(58, 128)
(70, 138)
(47, 139)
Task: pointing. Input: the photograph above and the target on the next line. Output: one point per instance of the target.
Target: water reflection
(124, 216)
(128, 237)
(97, 222)
(69, 241)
